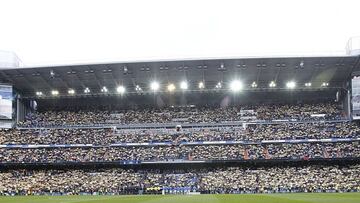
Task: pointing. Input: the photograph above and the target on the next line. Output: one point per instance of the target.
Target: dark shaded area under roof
(317, 70)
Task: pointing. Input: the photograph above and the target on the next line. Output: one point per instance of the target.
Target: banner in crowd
(6, 100)
(149, 144)
(355, 97)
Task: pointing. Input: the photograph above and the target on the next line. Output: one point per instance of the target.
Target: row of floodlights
(235, 86)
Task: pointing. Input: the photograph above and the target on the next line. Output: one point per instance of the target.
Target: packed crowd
(316, 178)
(182, 152)
(98, 154)
(58, 136)
(282, 179)
(314, 130)
(179, 148)
(300, 112)
(252, 132)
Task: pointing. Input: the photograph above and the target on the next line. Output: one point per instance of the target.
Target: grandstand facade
(250, 125)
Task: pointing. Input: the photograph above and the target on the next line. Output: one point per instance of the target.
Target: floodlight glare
(235, 86)
(55, 92)
(254, 85)
(71, 91)
(104, 89)
(154, 86)
(325, 84)
(218, 85)
(121, 89)
(138, 88)
(201, 85)
(171, 87)
(291, 85)
(86, 90)
(272, 84)
(183, 85)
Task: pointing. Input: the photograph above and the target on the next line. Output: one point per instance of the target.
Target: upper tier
(250, 132)
(189, 114)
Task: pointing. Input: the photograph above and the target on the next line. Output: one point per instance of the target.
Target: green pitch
(248, 198)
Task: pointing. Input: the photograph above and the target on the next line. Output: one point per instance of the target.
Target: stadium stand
(305, 141)
(252, 132)
(215, 114)
(216, 180)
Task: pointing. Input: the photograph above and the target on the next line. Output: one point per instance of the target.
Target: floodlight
(55, 92)
(154, 86)
(183, 85)
(171, 87)
(71, 91)
(104, 89)
(291, 84)
(272, 84)
(201, 85)
(121, 89)
(137, 88)
(218, 85)
(86, 90)
(235, 86)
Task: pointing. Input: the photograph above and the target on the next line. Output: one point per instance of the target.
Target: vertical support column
(348, 102)
(22, 107)
(17, 110)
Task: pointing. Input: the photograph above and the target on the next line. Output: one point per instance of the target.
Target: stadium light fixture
(291, 84)
(71, 91)
(253, 85)
(272, 84)
(184, 85)
(301, 64)
(154, 86)
(54, 92)
(138, 88)
(308, 84)
(236, 86)
(218, 85)
(86, 90)
(39, 93)
(121, 89)
(171, 87)
(52, 74)
(104, 89)
(201, 85)
(324, 84)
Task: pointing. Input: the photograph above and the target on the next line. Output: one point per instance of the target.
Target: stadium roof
(331, 71)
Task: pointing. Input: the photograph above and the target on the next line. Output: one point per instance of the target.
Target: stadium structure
(204, 126)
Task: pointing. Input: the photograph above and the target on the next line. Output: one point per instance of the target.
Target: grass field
(248, 198)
